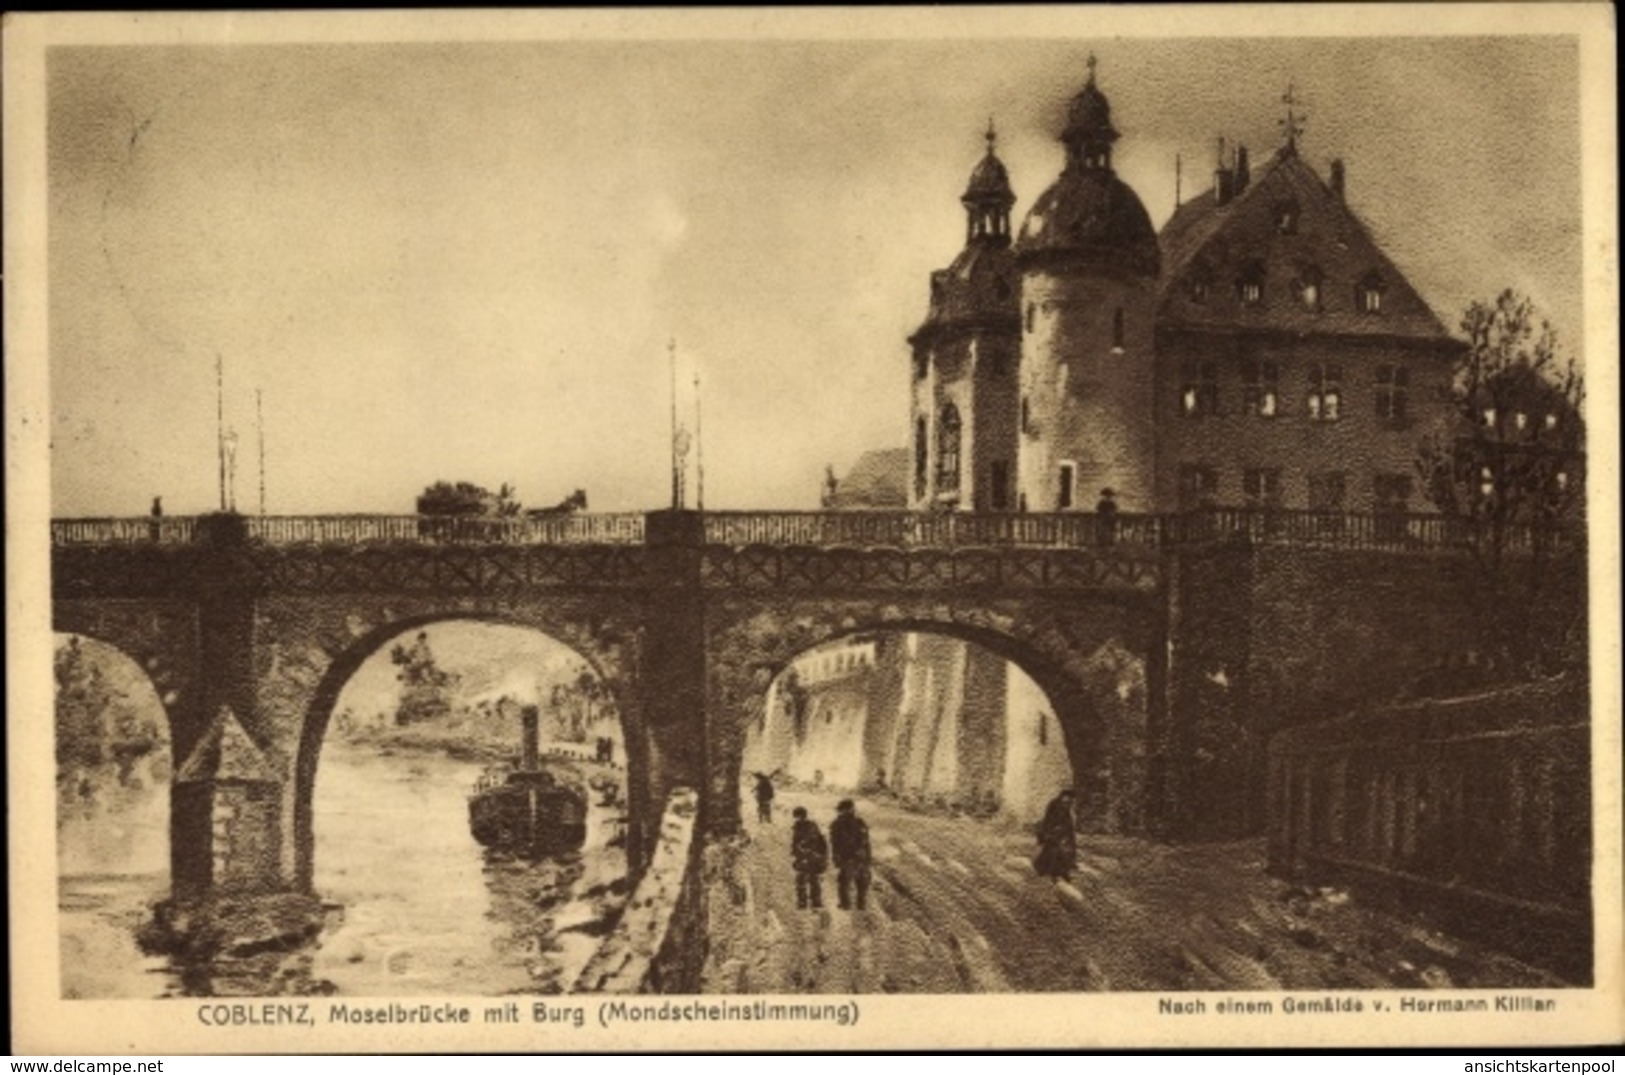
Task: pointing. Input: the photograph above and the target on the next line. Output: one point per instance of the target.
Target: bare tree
(1511, 468)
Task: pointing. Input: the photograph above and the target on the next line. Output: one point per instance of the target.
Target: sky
(464, 261)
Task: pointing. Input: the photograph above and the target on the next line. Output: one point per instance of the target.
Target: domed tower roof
(1090, 215)
(979, 289)
(1090, 115)
(989, 182)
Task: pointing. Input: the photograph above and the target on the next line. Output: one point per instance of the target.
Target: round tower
(1088, 260)
(965, 358)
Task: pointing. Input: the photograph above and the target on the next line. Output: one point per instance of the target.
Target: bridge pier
(673, 671)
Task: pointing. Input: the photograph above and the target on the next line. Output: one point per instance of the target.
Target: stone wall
(658, 945)
(1473, 811)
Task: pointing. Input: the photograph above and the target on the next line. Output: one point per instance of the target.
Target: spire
(1293, 123)
(988, 197)
(1089, 133)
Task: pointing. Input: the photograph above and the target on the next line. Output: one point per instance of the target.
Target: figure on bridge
(1057, 839)
(809, 855)
(849, 843)
(1106, 517)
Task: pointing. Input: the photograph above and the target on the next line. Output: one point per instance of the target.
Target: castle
(1260, 352)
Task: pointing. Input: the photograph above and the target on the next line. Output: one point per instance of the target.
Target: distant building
(876, 481)
(1262, 351)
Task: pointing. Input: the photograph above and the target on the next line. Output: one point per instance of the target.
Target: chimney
(1243, 176)
(1221, 179)
(1337, 179)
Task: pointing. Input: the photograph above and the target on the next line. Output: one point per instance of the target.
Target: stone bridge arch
(1059, 643)
(308, 650)
(161, 638)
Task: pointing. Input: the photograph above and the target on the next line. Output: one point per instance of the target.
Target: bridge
(1242, 622)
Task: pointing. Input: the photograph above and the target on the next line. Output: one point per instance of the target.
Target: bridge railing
(141, 530)
(861, 529)
(561, 529)
(893, 529)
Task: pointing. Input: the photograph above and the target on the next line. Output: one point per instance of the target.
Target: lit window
(1325, 393)
(1489, 417)
(1392, 387)
(1263, 393)
(1199, 394)
(1551, 421)
(1486, 482)
(1309, 287)
(1368, 295)
(1562, 479)
(1250, 284)
(1521, 420)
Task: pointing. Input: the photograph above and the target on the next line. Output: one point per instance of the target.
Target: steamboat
(529, 810)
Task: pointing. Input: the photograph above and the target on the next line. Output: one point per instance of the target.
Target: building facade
(1261, 351)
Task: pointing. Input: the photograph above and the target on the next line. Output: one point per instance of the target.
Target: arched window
(921, 448)
(948, 450)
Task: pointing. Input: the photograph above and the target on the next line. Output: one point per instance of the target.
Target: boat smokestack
(530, 757)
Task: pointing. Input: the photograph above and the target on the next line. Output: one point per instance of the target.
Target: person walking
(809, 856)
(764, 797)
(849, 846)
(1057, 839)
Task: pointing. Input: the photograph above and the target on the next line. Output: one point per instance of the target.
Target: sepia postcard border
(44, 1023)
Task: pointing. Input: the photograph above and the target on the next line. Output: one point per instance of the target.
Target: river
(417, 906)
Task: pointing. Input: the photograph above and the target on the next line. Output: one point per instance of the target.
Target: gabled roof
(979, 290)
(878, 479)
(233, 754)
(1226, 242)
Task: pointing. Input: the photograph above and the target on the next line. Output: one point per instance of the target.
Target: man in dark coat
(809, 855)
(764, 796)
(849, 846)
(1057, 839)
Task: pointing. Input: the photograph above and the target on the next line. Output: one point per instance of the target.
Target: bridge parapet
(904, 530)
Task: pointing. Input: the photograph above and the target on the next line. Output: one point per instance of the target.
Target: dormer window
(1368, 295)
(1199, 286)
(1250, 284)
(1309, 284)
(1286, 218)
